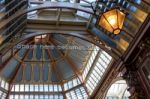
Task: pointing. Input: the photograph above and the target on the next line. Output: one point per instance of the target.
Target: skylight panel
(90, 61)
(97, 71)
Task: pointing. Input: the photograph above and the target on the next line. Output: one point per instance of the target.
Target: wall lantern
(112, 21)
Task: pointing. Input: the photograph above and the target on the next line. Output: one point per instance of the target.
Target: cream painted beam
(48, 5)
(53, 29)
(62, 21)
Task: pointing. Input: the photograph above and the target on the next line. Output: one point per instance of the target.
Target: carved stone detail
(135, 88)
(145, 51)
(131, 75)
(104, 87)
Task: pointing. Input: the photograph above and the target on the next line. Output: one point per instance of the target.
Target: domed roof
(51, 58)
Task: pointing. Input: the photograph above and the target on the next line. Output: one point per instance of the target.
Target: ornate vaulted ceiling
(55, 44)
(47, 58)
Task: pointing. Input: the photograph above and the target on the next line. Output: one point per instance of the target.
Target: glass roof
(56, 66)
(44, 68)
(44, 60)
(117, 90)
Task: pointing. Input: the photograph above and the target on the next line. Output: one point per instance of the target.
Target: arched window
(118, 90)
